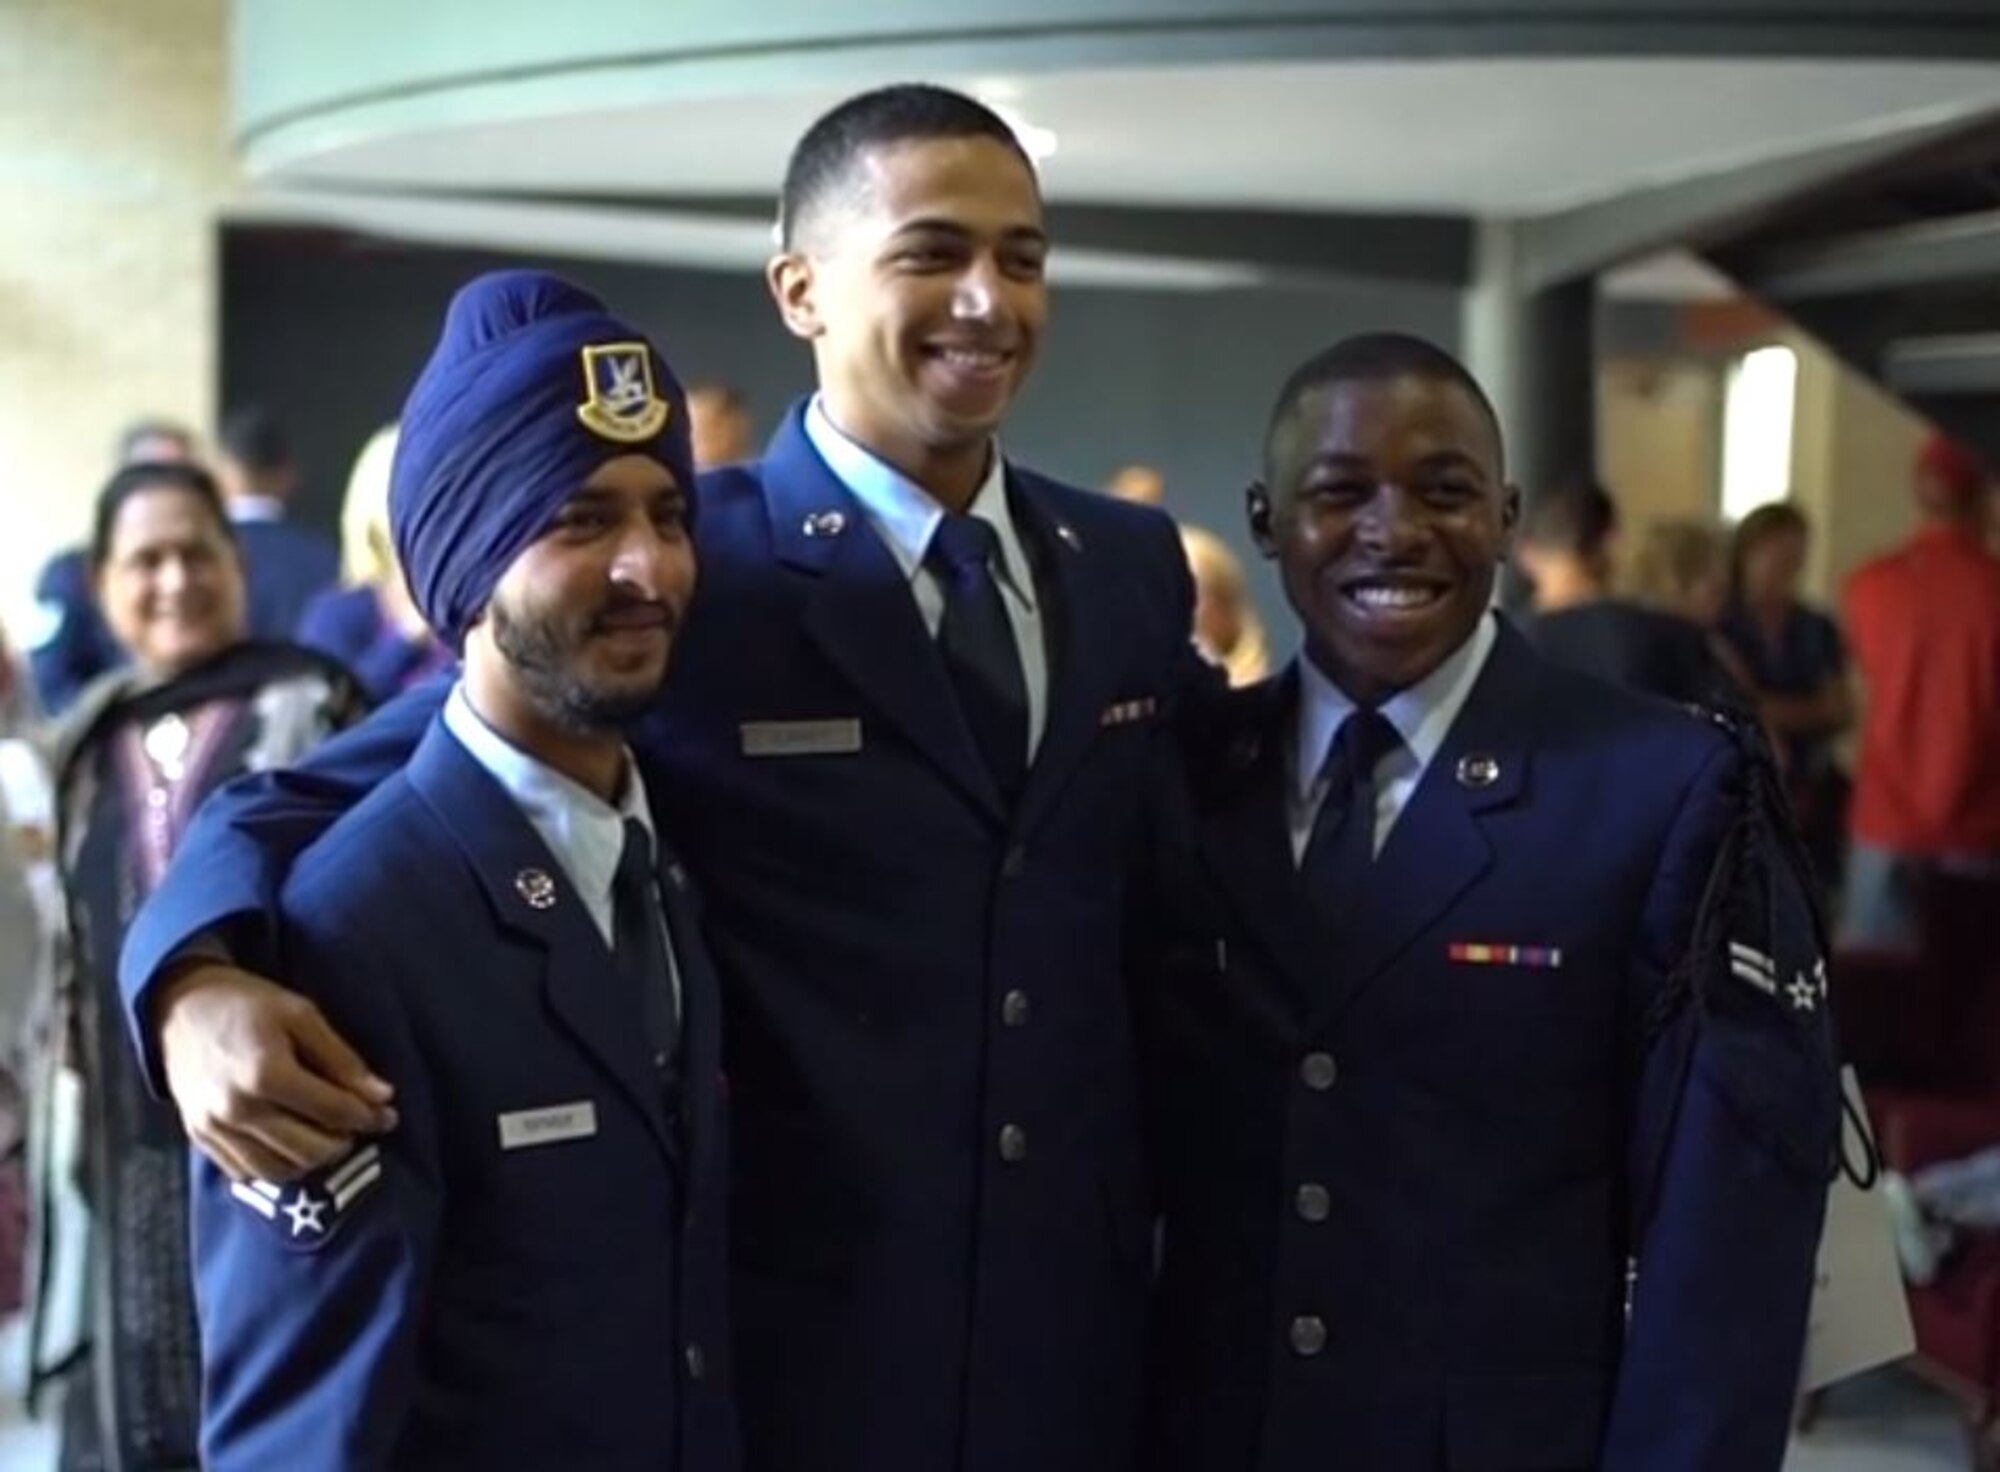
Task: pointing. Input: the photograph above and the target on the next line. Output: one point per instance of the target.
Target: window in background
(1757, 430)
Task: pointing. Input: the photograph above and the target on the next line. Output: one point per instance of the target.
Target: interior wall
(113, 163)
(1852, 450)
(1660, 437)
(1660, 447)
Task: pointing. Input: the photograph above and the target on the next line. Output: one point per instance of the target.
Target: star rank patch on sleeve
(306, 1213)
(1805, 992)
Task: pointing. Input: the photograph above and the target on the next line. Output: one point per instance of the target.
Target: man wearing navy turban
(528, 1271)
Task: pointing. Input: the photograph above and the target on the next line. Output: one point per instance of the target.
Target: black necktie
(977, 641)
(1341, 850)
(639, 945)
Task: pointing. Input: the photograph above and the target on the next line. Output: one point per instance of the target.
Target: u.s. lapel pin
(1069, 537)
(1478, 770)
(825, 524)
(535, 886)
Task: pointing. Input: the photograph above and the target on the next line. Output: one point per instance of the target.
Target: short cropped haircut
(1578, 518)
(152, 475)
(256, 439)
(1372, 357)
(824, 158)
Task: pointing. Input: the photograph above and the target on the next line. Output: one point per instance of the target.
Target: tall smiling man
(903, 751)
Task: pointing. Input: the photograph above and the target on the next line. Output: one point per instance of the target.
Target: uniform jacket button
(1308, 1335)
(1314, 1202)
(1317, 1072)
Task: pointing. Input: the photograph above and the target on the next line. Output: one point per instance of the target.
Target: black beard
(536, 649)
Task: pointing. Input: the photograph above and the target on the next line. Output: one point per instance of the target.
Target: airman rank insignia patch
(306, 1213)
(622, 404)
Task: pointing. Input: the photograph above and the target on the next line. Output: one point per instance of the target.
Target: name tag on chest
(802, 738)
(525, 1128)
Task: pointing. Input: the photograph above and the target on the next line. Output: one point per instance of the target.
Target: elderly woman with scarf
(197, 704)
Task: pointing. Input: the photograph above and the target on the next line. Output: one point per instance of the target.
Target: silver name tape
(802, 738)
(525, 1128)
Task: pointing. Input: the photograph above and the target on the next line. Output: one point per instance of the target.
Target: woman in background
(1796, 668)
(370, 625)
(197, 704)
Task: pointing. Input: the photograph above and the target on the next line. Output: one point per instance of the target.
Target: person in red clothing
(1923, 623)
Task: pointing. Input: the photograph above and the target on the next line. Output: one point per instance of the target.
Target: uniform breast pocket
(1126, 728)
(1192, 981)
(1542, 1025)
(1194, 960)
(544, 1196)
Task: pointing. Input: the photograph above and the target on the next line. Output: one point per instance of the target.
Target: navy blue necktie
(639, 945)
(1341, 850)
(977, 642)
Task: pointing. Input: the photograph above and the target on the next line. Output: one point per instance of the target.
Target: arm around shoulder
(225, 878)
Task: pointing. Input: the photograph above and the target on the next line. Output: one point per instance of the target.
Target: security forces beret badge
(621, 403)
(307, 1213)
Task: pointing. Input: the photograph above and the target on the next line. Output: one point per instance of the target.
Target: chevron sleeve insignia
(307, 1214)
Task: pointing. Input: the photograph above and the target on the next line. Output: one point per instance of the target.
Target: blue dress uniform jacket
(453, 1296)
(348, 624)
(284, 568)
(941, 1212)
(1404, 1166)
(941, 1217)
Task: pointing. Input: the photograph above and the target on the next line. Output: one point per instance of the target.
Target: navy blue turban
(533, 385)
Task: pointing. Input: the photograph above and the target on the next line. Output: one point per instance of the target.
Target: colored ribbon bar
(1542, 957)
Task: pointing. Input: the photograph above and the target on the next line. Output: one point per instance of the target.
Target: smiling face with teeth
(1388, 514)
(921, 290)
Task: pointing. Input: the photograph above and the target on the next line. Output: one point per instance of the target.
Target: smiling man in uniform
(1492, 1136)
(524, 1273)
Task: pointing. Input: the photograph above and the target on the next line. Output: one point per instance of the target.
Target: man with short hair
(287, 565)
(904, 751)
(1496, 1106)
(1923, 624)
(529, 1271)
